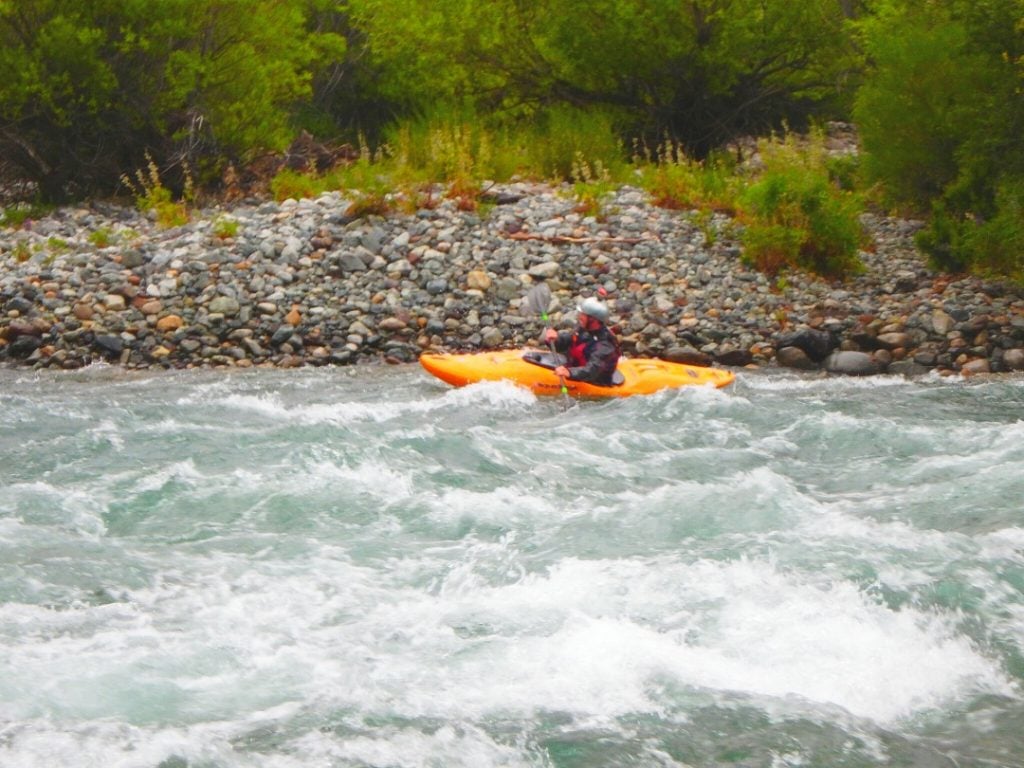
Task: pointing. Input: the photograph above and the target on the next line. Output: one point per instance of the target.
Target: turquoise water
(365, 567)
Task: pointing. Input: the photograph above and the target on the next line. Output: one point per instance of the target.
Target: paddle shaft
(537, 300)
(551, 345)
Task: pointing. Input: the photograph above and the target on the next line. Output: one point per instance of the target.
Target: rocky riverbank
(301, 283)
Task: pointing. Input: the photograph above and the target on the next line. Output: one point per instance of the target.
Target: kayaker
(591, 349)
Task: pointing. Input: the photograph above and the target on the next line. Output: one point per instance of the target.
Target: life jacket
(582, 344)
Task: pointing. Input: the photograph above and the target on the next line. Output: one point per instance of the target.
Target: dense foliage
(941, 115)
(466, 90)
(699, 72)
(797, 216)
(86, 88)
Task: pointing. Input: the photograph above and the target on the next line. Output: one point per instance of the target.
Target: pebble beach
(301, 282)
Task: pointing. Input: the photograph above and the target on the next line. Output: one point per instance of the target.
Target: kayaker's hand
(550, 335)
(562, 372)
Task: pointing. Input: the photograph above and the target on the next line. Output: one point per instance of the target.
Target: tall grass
(465, 151)
(679, 182)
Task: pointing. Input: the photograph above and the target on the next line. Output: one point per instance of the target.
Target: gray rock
(20, 304)
(282, 334)
(815, 344)
(349, 261)
(892, 341)
(734, 358)
(491, 337)
(224, 305)
(852, 364)
(794, 357)
(438, 286)
(110, 345)
(941, 322)
(684, 353)
(980, 365)
(545, 270)
(24, 346)
(1013, 359)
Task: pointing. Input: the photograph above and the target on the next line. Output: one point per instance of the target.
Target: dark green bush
(940, 116)
(87, 89)
(993, 247)
(795, 216)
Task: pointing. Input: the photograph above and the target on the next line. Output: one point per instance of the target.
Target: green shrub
(225, 227)
(796, 216)
(151, 195)
(556, 139)
(939, 114)
(21, 252)
(16, 215)
(997, 245)
(542, 144)
(368, 204)
(993, 247)
(944, 240)
(845, 171)
(289, 184)
(102, 237)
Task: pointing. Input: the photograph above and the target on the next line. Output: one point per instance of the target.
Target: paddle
(537, 301)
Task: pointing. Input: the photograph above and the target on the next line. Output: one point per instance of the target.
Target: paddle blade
(538, 299)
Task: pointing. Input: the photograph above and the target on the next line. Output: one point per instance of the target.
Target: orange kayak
(534, 370)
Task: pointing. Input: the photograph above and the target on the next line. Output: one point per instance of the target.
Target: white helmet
(591, 307)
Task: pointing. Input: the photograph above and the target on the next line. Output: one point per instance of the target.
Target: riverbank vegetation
(402, 96)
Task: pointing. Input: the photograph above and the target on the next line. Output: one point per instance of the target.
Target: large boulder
(684, 353)
(735, 358)
(815, 344)
(851, 363)
(1013, 359)
(794, 357)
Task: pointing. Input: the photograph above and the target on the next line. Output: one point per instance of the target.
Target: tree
(699, 71)
(87, 88)
(941, 114)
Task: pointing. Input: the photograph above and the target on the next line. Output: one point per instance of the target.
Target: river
(362, 567)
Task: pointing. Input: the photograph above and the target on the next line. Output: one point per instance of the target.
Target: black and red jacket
(591, 355)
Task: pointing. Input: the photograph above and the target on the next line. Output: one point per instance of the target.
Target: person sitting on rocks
(591, 349)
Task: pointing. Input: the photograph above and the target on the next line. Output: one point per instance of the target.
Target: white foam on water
(172, 426)
(505, 505)
(1005, 544)
(227, 636)
(592, 637)
(375, 477)
(309, 479)
(46, 743)
(405, 644)
(839, 521)
(779, 636)
(685, 400)
(747, 503)
(184, 472)
(107, 431)
(785, 382)
(462, 744)
(77, 509)
(501, 395)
